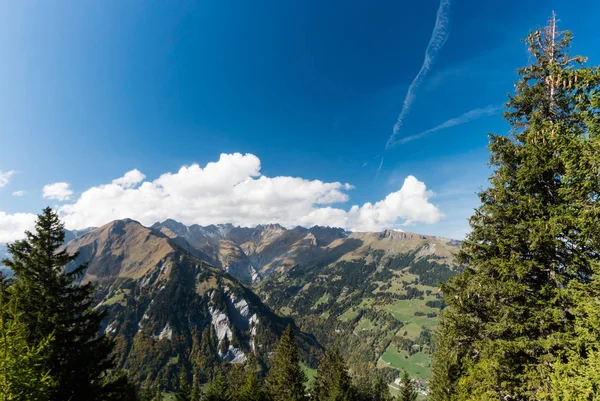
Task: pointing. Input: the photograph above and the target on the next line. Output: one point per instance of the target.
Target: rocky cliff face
(251, 254)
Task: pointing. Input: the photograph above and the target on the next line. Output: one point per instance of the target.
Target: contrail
(379, 168)
(437, 40)
(462, 119)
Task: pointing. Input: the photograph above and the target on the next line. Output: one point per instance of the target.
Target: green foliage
(407, 391)
(184, 392)
(21, 374)
(252, 389)
(520, 321)
(218, 390)
(380, 389)
(196, 394)
(365, 304)
(333, 382)
(53, 307)
(286, 379)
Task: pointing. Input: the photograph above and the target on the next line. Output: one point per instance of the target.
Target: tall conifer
(333, 382)
(51, 302)
(407, 389)
(252, 389)
(517, 311)
(286, 379)
(217, 389)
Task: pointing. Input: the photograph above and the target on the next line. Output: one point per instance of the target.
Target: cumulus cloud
(233, 190)
(18, 193)
(130, 179)
(5, 177)
(13, 226)
(59, 191)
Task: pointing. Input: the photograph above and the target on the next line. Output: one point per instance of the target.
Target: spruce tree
(333, 382)
(252, 389)
(184, 392)
(517, 313)
(381, 390)
(51, 302)
(407, 390)
(158, 395)
(217, 389)
(196, 394)
(22, 377)
(286, 379)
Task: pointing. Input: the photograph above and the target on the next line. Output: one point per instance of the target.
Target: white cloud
(232, 190)
(18, 193)
(59, 191)
(13, 226)
(130, 179)
(5, 177)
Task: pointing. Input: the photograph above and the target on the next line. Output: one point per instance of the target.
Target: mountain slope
(169, 310)
(378, 302)
(252, 253)
(174, 301)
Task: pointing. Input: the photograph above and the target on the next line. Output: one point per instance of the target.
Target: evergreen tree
(217, 389)
(183, 393)
(333, 381)
(381, 390)
(21, 375)
(147, 391)
(236, 377)
(252, 389)
(407, 390)
(196, 389)
(513, 325)
(158, 395)
(364, 388)
(51, 302)
(286, 379)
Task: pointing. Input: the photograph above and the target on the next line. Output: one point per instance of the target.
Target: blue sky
(94, 89)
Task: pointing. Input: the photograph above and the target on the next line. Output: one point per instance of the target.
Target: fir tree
(381, 390)
(333, 382)
(196, 394)
(51, 302)
(252, 389)
(515, 314)
(217, 389)
(364, 388)
(286, 379)
(158, 395)
(236, 377)
(407, 390)
(184, 392)
(22, 377)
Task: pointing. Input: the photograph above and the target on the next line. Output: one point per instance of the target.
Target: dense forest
(519, 318)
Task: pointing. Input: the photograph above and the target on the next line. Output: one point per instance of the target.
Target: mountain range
(202, 297)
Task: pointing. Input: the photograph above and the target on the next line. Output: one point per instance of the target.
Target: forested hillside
(378, 303)
(169, 311)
